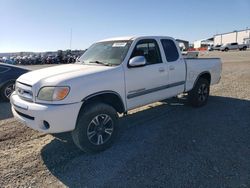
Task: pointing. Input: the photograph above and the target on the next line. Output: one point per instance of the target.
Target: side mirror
(137, 61)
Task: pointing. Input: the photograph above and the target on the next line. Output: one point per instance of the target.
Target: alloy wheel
(9, 90)
(203, 92)
(100, 129)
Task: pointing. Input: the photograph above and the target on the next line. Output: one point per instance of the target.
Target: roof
(247, 29)
(180, 40)
(118, 38)
(133, 38)
(14, 66)
(206, 39)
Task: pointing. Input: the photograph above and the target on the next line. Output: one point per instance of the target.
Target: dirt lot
(170, 145)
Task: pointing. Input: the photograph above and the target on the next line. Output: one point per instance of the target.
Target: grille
(24, 91)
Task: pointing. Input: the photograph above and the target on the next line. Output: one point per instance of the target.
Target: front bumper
(60, 118)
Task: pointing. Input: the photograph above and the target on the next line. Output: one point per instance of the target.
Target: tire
(7, 90)
(95, 119)
(226, 49)
(198, 96)
(244, 48)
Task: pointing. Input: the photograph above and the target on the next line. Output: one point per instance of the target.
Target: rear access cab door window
(170, 50)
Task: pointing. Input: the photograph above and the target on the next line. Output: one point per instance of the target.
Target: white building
(241, 36)
(203, 43)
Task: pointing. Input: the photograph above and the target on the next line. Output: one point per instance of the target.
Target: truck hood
(61, 72)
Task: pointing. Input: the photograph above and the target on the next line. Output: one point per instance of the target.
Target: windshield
(108, 53)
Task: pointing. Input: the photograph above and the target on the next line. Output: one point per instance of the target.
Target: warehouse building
(203, 43)
(241, 36)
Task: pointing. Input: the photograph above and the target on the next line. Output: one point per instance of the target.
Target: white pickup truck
(233, 46)
(113, 76)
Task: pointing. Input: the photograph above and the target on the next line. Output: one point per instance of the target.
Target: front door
(146, 84)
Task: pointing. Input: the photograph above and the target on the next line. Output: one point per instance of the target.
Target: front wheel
(96, 127)
(198, 96)
(7, 90)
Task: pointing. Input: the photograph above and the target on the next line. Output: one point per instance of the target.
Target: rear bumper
(60, 118)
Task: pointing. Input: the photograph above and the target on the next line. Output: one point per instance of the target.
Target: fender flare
(84, 100)
(198, 77)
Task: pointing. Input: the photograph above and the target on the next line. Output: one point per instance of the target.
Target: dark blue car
(8, 76)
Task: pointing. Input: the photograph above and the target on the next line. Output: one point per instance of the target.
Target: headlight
(53, 93)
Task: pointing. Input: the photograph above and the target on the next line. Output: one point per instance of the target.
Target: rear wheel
(198, 96)
(7, 90)
(244, 48)
(96, 127)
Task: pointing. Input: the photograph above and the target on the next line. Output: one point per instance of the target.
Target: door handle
(161, 69)
(171, 67)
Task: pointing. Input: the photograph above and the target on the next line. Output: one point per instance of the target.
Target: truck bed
(196, 66)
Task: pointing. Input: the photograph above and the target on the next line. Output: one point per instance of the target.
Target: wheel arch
(6, 81)
(206, 75)
(108, 97)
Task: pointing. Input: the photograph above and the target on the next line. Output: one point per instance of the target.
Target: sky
(47, 25)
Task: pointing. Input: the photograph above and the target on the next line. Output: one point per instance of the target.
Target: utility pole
(248, 38)
(70, 40)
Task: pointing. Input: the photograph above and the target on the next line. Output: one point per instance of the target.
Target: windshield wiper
(101, 63)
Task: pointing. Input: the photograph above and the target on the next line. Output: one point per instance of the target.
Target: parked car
(8, 60)
(8, 76)
(216, 47)
(113, 76)
(233, 46)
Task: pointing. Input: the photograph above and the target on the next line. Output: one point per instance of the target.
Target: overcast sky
(44, 25)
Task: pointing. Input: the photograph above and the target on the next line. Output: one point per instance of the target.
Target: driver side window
(149, 49)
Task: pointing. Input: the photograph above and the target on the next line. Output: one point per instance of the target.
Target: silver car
(233, 46)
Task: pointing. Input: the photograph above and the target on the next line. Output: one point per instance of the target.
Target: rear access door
(176, 67)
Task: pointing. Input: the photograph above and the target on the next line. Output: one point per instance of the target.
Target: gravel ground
(170, 145)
